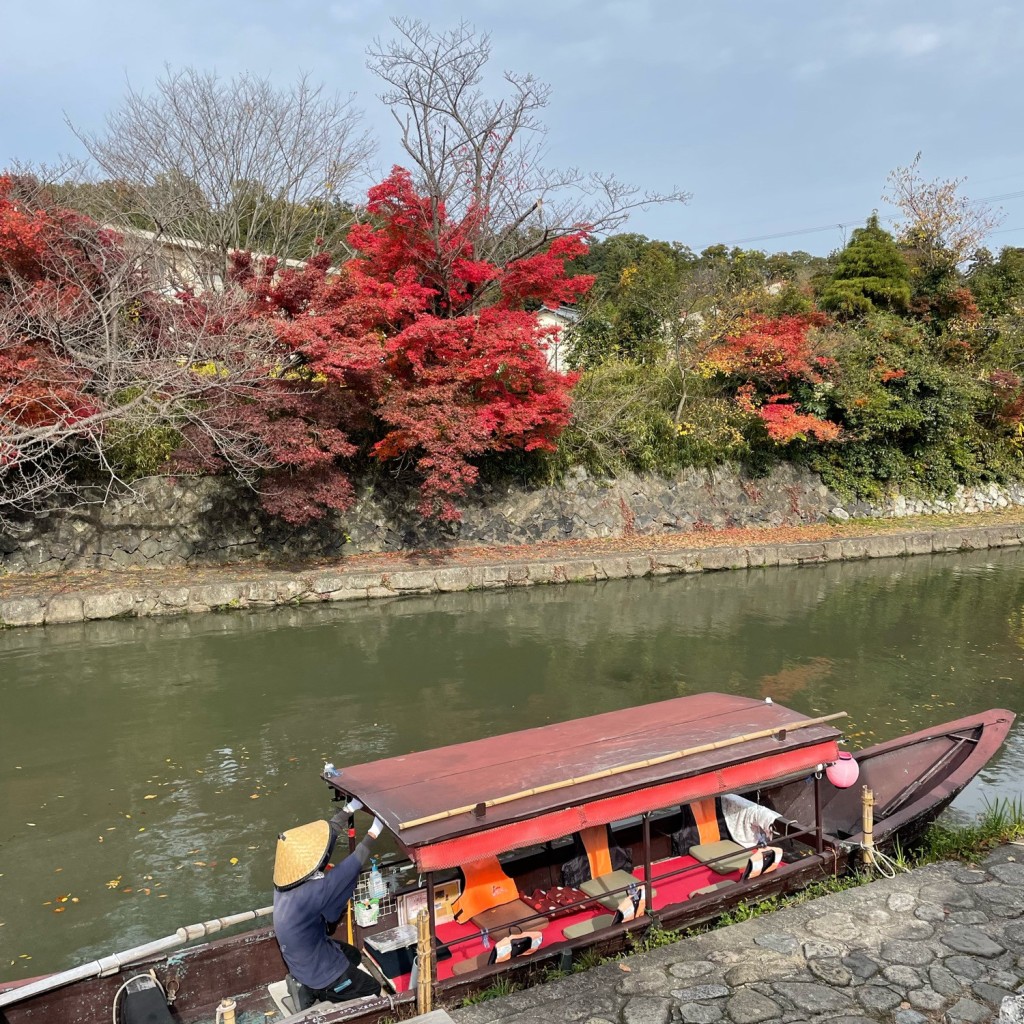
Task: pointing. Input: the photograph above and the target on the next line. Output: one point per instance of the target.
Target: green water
(138, 759)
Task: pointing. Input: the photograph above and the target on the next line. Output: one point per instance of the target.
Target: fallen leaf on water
(114, 882)
(254, 796)
(127, 888)
(162, 896)
(31, 824)
(59, 910)
(56, 870)
(24, 956)
(74, 899)
(199, 863)
(142, 829)
(233, 861)
(149, 796)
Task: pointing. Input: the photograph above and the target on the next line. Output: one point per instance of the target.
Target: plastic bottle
(378, 890)
(485, 938)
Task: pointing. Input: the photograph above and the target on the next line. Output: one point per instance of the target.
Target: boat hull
(914, 778)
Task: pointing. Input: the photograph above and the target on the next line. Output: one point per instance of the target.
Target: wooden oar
(115, 961)
(609, 772)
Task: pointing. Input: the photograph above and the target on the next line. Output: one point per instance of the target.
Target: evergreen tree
(870, 274)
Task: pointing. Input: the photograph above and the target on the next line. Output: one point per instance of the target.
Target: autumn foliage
(415, 353)
(415, 373)
(773, 361)
(398, 356)
(40, 388)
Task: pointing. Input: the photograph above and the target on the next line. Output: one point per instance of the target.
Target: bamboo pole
(868, 825)
(424, 987)
(115, 961)
(610, 772)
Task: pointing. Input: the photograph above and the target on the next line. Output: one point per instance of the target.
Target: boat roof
(468, 800)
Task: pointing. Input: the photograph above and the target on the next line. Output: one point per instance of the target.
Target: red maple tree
(416, 352)
(423, 352)
(770, 362)
(42, 274)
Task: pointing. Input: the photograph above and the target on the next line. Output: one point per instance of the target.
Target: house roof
(568, 313)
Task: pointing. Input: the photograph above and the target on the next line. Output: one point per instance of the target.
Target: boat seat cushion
(593, 924)
(603, 888)
(714, 887)
(486, 886)
(708, 852)
(499, 921)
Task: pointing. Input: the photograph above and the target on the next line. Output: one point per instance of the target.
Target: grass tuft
(1000, 822)
(502, 987)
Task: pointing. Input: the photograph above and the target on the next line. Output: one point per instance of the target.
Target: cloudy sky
(778, 118)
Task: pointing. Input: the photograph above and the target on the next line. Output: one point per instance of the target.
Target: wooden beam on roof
(606, 773)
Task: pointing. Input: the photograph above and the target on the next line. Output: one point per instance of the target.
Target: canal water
(146, 766)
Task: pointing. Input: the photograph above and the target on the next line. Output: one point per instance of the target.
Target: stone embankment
(74, 599)
(25, 601)
(198, 521)
(941, 943)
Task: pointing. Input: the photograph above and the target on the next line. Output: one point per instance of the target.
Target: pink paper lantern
(844, 772)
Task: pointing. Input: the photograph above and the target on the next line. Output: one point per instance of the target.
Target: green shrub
(624, 419)
(135, 452)
(913, 420)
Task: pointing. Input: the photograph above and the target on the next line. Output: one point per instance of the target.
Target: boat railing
(538, 920)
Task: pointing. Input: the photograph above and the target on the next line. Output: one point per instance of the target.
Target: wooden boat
(515, 806)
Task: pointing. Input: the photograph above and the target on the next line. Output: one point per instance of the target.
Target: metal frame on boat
(518, 800)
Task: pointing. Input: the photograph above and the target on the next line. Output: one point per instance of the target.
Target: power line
(857, 223)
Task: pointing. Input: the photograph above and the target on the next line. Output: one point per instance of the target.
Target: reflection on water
(147, 766)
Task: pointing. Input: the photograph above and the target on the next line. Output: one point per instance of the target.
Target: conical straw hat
(300, 852)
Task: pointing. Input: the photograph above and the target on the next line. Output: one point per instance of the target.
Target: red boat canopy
(456, 804)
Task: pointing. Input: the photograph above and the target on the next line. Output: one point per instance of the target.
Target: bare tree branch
(942, 225)
(231, 164)
(473, 153)
(92, 358)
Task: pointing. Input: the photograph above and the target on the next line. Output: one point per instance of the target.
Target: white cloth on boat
(748, 823)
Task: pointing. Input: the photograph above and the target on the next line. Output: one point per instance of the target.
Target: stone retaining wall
(207, 520)
(337, 584)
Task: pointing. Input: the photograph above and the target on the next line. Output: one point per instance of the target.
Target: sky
(782, 120)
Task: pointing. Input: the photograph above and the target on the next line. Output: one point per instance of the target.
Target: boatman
(308, 899)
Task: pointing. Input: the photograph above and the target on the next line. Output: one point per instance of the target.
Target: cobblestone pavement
(941, 943)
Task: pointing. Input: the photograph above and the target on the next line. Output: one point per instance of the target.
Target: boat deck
(674, 879)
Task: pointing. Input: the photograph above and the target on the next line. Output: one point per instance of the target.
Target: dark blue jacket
(301, 916)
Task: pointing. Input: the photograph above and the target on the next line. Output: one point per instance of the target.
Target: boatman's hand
(376, 828)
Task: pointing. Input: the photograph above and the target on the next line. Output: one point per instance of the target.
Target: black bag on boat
(689, 835)
(576, 870)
